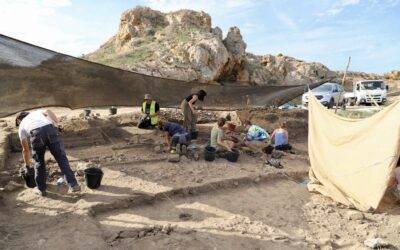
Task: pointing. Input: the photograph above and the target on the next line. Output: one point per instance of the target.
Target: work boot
(178, 148)
(184, 149)
(42, 193)
(74, 189)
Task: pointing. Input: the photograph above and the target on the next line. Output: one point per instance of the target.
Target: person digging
(218, 140)
(38, 130)
(176, 137)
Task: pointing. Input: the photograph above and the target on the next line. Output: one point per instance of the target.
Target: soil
(146, 202)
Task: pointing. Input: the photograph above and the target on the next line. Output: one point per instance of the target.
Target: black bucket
(209, 153)
(194, 135)
(233, 155)
(113, 110)
(28, 174)
(93, 177)
(87, 112)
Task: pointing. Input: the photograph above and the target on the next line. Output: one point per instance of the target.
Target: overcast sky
(326, 31)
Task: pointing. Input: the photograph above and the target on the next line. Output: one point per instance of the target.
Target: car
(328, 94)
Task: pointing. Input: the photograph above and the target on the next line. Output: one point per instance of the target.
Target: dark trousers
(41, 139)
(145, 122)
(180, 138)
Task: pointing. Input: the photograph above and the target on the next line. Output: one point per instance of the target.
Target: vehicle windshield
(372, 85)
(323, 88)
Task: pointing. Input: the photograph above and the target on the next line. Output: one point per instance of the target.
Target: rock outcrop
(280, 69)
(392, 78)
(182, 45)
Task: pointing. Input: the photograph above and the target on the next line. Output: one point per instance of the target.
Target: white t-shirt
(34, 120)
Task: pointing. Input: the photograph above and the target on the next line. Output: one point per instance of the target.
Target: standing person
(218, 140)
(256, 138)
(188, 111)
(39, 130)
(150, 111)
(281, 138)
(176, 136)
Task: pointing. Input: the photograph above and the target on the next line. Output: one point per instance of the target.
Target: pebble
(158, 149)
(375, 243)
(354, 215)
(41, 242)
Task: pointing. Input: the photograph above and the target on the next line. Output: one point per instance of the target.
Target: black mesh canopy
(33, 77)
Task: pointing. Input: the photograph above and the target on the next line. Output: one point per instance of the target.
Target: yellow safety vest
(153, 116)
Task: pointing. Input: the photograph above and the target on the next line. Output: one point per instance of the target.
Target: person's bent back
(39, 129)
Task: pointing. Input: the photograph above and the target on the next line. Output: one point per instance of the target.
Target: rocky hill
(391, 78)
(183, 45)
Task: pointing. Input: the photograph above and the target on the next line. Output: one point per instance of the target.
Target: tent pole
(343, 79)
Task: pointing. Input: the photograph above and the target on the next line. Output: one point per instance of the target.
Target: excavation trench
(138, 177)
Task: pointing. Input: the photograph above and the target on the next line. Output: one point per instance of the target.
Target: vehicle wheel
(331, 103)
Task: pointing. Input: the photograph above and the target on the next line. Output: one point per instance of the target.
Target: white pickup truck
(366, 91)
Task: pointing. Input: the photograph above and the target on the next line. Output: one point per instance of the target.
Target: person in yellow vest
(150, 110)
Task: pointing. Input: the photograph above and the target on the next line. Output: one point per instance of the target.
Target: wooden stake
(343, 79)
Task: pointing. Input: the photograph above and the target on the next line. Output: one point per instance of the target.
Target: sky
(326, 31)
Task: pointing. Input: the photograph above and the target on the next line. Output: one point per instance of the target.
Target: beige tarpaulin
(352, 160)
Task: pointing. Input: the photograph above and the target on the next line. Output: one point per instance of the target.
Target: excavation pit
(149, 203)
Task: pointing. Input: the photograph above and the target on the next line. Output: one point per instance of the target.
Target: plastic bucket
(29, 177)
(232, 156)
(209, 153)
(113, 110)
(87, 112)
(93, 177)
(193, 135)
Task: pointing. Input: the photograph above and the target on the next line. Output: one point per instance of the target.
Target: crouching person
(280, 136)
(256, 138)
(218, 140)
(38, 130)
(176, 137)
(150, 110)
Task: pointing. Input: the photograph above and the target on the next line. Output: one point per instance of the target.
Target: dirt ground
(146, 202)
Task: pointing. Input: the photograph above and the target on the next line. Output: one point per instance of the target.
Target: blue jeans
(180, 138)
(41, 139)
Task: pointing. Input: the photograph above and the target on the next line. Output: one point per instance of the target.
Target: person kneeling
(176, 136)
(280, 136)
(256, 138)
(150, 111)
(218, 140)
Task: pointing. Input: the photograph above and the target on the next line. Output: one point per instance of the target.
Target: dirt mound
(296, 120)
